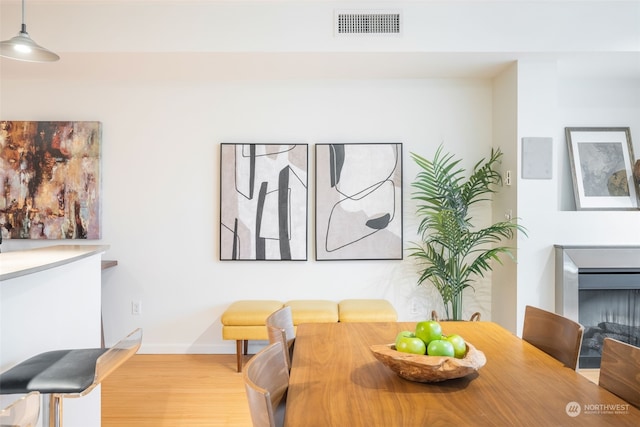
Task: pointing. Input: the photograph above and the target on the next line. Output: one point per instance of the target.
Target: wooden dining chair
(266, 381)
(620, 370)
(280, 328)
(279, 335)
(23, 412)
(554, 334)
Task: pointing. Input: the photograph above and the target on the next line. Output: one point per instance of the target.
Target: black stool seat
(58, 371)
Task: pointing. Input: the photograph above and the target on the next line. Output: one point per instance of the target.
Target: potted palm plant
(453, 252)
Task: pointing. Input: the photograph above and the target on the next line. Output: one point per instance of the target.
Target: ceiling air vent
(367, 22)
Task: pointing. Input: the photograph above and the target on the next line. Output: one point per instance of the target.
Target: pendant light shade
(23, 48)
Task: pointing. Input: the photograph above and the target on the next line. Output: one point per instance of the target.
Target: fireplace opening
(599, 286)
(608, 306)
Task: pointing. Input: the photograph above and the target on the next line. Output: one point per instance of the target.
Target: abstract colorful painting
(50, 180)
(358, 201)
(263, 202)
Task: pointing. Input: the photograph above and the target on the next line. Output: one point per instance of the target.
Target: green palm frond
(483, 180)
(452, 252)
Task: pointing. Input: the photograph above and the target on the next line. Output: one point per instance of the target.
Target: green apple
(440, 348)
(459, 345)
(428, 330)
(401, 334)
(412, 345)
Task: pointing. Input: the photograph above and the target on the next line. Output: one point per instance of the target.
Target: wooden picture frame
(602, 167)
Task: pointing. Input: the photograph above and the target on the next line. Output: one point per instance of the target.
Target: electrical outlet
(136, 307)
(507, 178)
(414, 306)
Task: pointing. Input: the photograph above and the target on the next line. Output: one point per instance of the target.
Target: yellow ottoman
(245, 320)
(366, 310)
(313, 311)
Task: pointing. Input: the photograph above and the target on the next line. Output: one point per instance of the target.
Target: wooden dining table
(336, 381)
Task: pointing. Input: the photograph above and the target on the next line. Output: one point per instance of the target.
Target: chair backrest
(279, 335)
(114, 357)
(620, 370)
(280, 328)
(554, 334)
(24, 412)
(266, 380)
(283, 319)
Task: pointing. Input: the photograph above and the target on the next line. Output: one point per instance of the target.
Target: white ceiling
(149, 45)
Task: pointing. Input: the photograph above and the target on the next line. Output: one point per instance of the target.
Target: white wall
(161, 186)
(547, 103)
(505, 128)
(171, 83)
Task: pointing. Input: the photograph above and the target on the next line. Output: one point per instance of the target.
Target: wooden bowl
(428, 369)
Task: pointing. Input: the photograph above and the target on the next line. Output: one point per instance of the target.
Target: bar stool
(67, 373)
(24, 412)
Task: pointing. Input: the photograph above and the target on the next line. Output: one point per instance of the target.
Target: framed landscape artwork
(602, 167)
(50, 180)
(359, 201)
(263, 202)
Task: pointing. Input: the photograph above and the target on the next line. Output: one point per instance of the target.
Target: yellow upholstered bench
(313, 311)
(366, 310)
(245, 320)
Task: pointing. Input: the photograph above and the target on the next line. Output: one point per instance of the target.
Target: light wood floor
(592, 375)
(176, 390)
(183, 390)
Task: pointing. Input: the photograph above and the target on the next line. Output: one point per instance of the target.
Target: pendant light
(23, 48)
